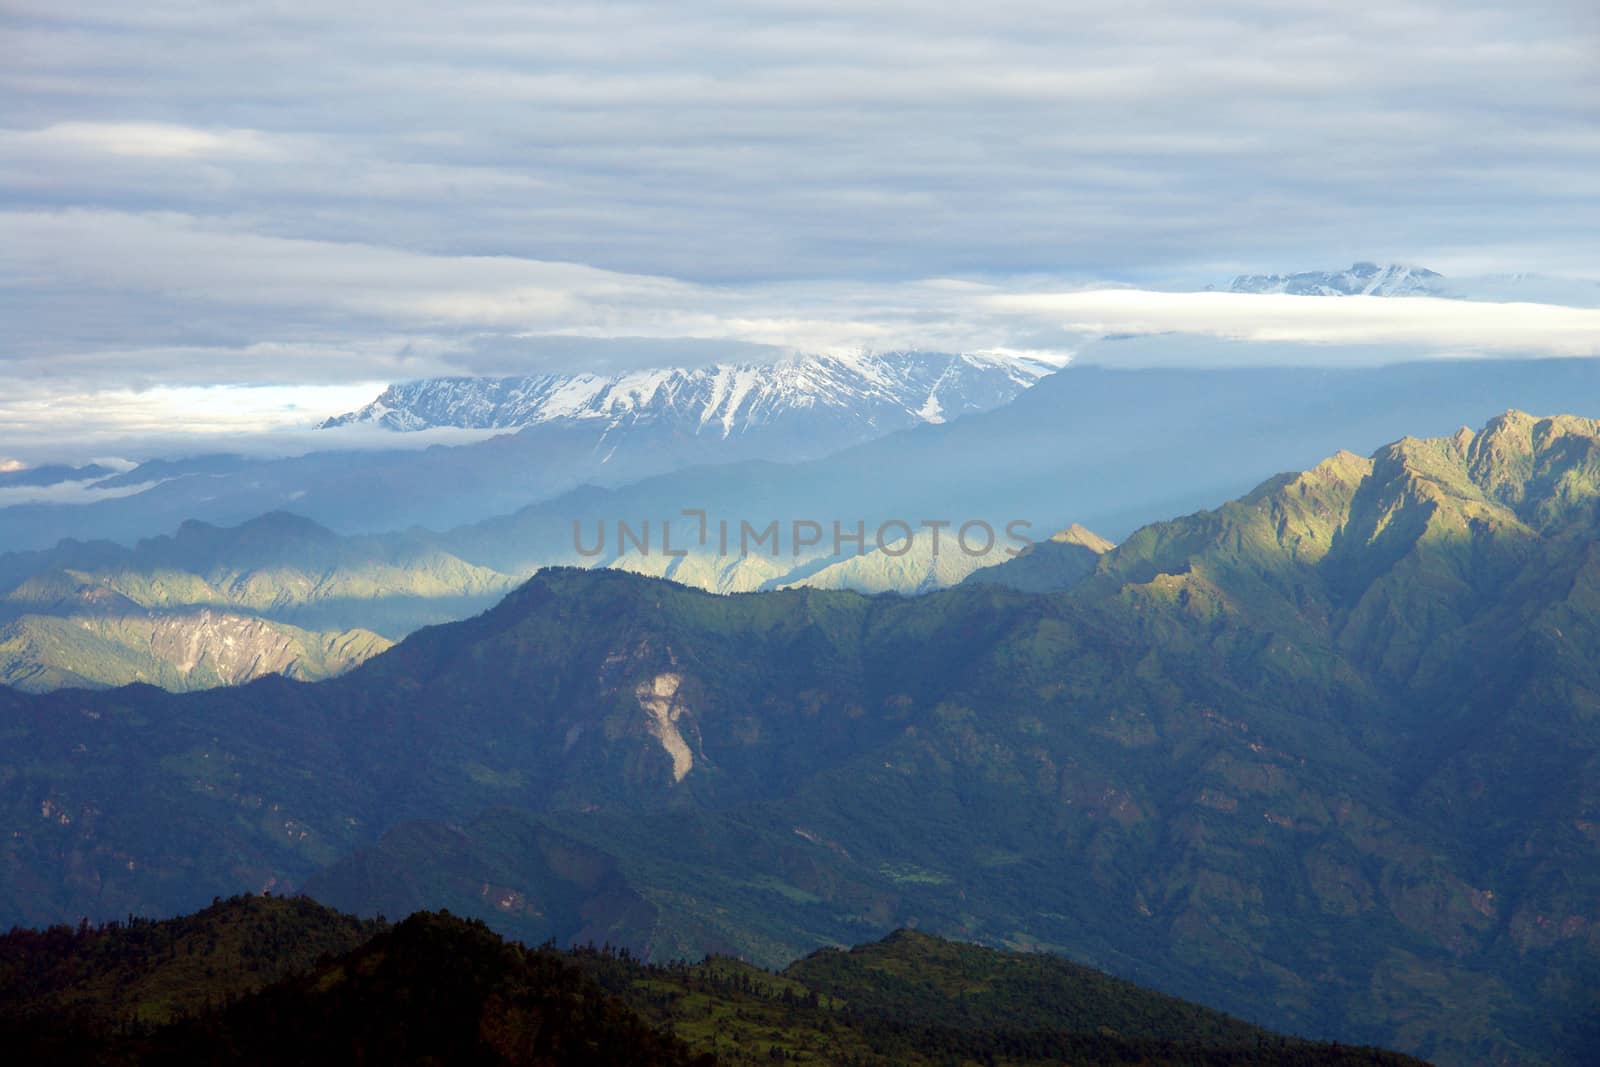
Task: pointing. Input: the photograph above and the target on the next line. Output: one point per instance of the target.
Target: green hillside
(174, 650)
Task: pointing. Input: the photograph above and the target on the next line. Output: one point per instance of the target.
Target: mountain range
(582, 431)
(815, 402)
(1106, 449)
(1324, 757)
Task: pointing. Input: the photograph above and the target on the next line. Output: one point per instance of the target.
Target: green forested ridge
(174, 650)
(1326, 757)
(272, 980)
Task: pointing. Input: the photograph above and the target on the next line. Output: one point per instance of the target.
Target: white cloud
(79, 492)
(1456, 326)
(718, 140)
(43, 420)
(154, 139)
(282, 192)
(348, 313)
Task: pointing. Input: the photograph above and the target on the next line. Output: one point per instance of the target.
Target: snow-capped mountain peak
(1362, 279)
(879, 391)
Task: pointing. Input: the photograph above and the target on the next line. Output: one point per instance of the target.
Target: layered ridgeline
(271, 980)
(1324, 757)
(213, 606)
(1112, 449)
(210, 606)
(1105, 448)
(561, 433)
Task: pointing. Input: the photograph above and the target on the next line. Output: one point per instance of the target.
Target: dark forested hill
(257, 980)
(1326, 757)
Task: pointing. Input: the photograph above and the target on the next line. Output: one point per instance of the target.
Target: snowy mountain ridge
(1369, 279)
(885, 391)
(1362, 279)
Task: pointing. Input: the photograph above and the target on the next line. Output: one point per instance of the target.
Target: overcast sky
(329, 196)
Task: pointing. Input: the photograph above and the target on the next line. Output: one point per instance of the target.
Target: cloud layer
(290, 193)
